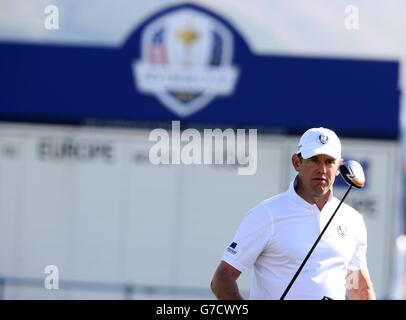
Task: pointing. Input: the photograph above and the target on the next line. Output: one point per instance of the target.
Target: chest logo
(342, 231)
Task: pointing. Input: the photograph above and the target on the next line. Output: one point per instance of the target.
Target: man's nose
(322, 167)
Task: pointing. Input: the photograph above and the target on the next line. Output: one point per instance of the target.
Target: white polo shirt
(276, 236)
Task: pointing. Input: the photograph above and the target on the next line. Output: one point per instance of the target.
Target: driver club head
(353, 174)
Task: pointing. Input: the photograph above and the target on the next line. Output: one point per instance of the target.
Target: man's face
(317, 174)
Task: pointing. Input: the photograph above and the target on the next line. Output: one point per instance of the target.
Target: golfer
(277, 234)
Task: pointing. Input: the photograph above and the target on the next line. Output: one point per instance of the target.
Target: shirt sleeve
(359, 259)
(250, 240)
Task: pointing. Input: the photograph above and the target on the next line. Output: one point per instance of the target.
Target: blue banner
(187, 63)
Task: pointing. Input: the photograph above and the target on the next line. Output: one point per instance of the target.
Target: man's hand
(359, 285)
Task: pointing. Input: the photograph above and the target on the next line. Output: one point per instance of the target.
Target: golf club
(353, 175)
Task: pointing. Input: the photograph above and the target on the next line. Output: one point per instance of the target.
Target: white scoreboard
(89, 201)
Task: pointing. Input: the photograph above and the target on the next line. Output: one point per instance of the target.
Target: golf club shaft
(313, 247)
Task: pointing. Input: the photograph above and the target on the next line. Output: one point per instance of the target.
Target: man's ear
(339, 164)
(296, 161)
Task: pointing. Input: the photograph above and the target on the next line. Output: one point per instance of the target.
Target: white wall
(118, 219)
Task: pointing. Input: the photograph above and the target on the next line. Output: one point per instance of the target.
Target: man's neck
(321, 202)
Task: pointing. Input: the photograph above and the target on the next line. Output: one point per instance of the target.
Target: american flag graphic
(157, 49)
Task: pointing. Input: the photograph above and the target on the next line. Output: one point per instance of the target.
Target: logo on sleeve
(231, 248)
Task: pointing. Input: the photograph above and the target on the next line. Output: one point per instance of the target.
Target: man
(277, 234)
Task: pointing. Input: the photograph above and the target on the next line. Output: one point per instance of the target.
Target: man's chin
(320, 191)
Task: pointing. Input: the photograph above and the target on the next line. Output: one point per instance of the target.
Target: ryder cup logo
(186, 61)
(342, 230)
(322, 138)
